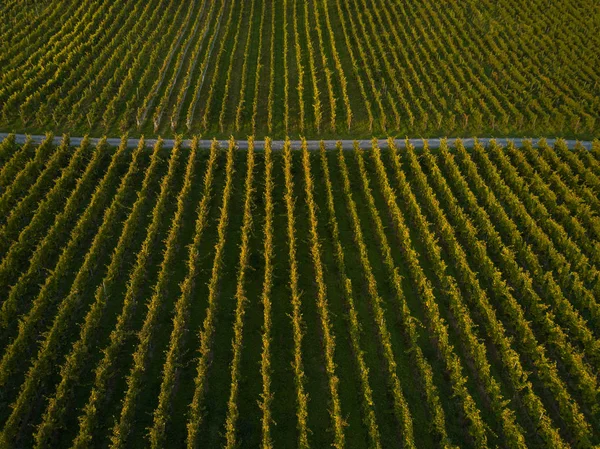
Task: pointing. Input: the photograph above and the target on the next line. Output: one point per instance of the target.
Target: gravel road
(312, 144)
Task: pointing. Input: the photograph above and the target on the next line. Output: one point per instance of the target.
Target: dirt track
(312, 144)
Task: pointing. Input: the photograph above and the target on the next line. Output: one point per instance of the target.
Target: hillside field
(315, 68)
(377, 298)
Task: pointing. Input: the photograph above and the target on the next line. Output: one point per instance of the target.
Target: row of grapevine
(520, 278)
(57, 103)
(338, 65)
(571, 224)
(257, 79)
(38, 100)
(7, 149)
(495, 329)
(17, 43)
(324, 63)
(82, 231)
(107, 368)
(26, 77)
(271, 96)
(563, 307)
(382, 57)
(110, 67)
(190, 70)
(26, 176)
(569, 198)
(117, 92)
(33, 178)
(43, 236)
(43, 364)
(26, 54)
(215, 76)
(164, 100)
(435, 295)
(551, 289)
(286, 75)
(266, 397)
(584, 174)
(33, 324)
(183, 305)
(15, 163)
(462, 318)
(296, 316)
(243, 83)
(96, 64)
(571, 180)
(231, 61)
(337, 421)
(401, 410)
(77, 358)
(147, 334)
(490, 271)
(41, 190)
(231, 438)
(356, 70)
(425, 371)
(588, 158)
(300, 70)
(467, 276)
(436, 325)
(570, 254)
(150, 98)
(363, 371)
(201, 77)
(208, 325)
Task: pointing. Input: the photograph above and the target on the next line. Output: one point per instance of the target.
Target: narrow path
(312, 144)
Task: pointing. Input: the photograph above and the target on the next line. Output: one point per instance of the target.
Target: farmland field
(379, 298)
(316, 68)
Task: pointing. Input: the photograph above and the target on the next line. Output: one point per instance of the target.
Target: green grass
(284, 405)
(469, 65)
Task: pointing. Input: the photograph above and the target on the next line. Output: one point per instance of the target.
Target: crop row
(354, 67)
(391, 296)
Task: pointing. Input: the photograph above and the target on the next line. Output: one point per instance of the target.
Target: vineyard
(190, 297)
(315, 68)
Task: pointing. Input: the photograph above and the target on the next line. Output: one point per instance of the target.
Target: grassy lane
(143, 380)
(356, 391)
(100, 316)
(214, 347)
(15, 162)
(19, 206)
(372, 339)
(171, 369)
(7, 149)
(417, 272)
(47, 186)
(43, 297)
(69, 307)
(199, 425)
(519, 279)
(249, 421)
